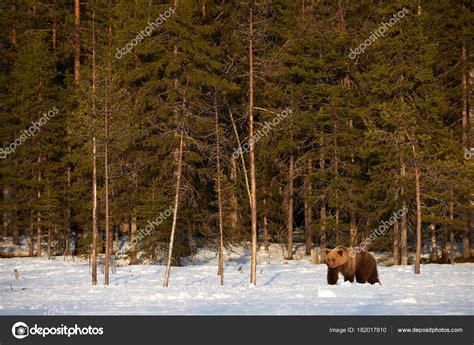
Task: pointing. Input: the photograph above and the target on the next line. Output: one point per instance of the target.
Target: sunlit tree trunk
(253, 183)
(77, 40)
(418, 214)
(451, 233)
(38, 219)
(265, 225)
(467, 123)
(308, 210)
(403, 222)
(94, 161)
(290, 209)
(433, 243)
(179, 159)
(219, 197)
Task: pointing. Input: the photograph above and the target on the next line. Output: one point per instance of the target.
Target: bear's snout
(331, 263)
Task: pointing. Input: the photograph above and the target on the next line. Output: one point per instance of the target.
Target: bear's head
(335, 257)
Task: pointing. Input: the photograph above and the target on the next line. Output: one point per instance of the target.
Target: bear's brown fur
(362, 266)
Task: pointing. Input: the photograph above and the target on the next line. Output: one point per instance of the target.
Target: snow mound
(324, 293)
(410, 300)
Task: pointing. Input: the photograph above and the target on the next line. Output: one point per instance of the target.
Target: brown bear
(361, 265)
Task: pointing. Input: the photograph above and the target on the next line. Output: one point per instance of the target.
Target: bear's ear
(326, 251)
(340, 252)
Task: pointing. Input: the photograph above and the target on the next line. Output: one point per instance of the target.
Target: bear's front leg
(333, 275)
(349, 277)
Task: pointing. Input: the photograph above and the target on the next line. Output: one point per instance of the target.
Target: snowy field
(57, 287)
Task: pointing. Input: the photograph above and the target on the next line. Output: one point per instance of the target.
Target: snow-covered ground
(57, 287)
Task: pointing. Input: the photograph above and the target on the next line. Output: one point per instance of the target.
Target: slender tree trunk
(49, 223)
(418, 214)
(133, 235)
(396, 243)
(94, 161)
(467, 127)
(253, 183)
(106, 179)
(38, 220)
(179, 159)
(244, 168)
(451, 233)
(15, 228)
(31, 236)
(336, 177)
(468, 231)
(6, 216)
(434, 246)
(219, 196)
(341, 16)
(307, 207)
(322, 211)
(77, 40)
(54, 27)
(265, 225)
(234, 217)
(49, 243)
(322, 224)
(445, 250)
(290, 209)
(403, 223)
(353, 230)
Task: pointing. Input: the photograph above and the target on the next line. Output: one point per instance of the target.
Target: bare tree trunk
(467, 123)
(265, 225)
(451, 233)
(253, 183)
(94, 162)
(179, 159)
(396, 243)
(234, 217)
(308, 210)
(322, 240)
(106, 178)
(50, 223)
(341, 14)
(219, 197)
(290, 209)
(133, 235)
(403, 224)
(77, 40)
(244, 168)
(418, 214)
(434, 246)
(322, 211)
(336, 176)
(49, 243)
(38, 220)
(445, 250)
(54, 26)
(13, 30)
(353, 230)
(6, 216)
(15, 228)
(31, 237)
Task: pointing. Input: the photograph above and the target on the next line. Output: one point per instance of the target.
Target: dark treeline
(149, 100)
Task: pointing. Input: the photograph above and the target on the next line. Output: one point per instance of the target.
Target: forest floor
(297, 287)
